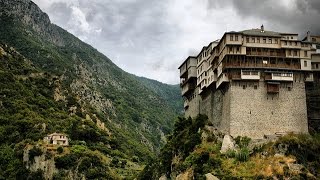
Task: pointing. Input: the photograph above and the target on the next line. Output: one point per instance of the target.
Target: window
(290, 43)
(276, 41)
(317, 66)
(231, 37)
(289, 88)
(244, 86)
(305, 53)
(255, 87)
(258, 39)
(270, 40)
(291, 37)
(295, 43)
(238, 49)
(236, 37)
(230, 49)
(305, 64)
(253, 39)
(290, 53)
(285, 43)
(247, 39)
(295, 53)
(264, 40)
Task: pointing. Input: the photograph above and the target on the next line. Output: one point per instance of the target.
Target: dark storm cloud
(297, 16)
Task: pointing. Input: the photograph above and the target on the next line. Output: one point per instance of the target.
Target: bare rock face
(43, 162)
(209, 176)
(164, 177)
(227, 143)
(188, 175)
(31, 16)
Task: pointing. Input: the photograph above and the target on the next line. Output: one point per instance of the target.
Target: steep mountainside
(28, 112)
(170, 93)
(77, 85)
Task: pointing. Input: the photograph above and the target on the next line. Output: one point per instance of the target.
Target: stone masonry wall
(254, 113)
(193, 109)
(251, 111)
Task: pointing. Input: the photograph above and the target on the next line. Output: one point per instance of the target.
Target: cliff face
(68, 86)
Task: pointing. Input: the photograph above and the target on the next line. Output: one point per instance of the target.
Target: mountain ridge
(89, 85)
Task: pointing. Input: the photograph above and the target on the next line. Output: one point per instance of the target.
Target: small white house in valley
(56, 139)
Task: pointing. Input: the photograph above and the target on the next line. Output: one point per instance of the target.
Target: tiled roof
(258, 32)
(56, 134)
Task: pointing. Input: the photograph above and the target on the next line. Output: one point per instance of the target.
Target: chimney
(262, 28)
(308, 36)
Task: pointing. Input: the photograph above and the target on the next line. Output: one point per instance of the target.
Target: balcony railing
(268, 54)
(235, 76)
(252, 65)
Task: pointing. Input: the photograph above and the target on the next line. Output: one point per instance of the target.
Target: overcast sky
(151, 38)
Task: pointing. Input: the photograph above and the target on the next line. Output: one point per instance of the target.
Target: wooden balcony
(273, 88)
(266, 54)
(186, 88)
(271, 66)
(268, 77)
(235, 76)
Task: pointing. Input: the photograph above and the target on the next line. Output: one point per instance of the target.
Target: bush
(35, 151)
(242, 142)
(65, 162)
(60, 149)
(242, 155)
(230, 153)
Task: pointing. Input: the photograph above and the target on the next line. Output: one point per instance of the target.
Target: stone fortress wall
(246, 109)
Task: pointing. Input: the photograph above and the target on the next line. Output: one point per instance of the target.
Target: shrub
(60, 149)
(230, 153)
(242, 142)
(242, 155)
(66, 161)
(35, 151)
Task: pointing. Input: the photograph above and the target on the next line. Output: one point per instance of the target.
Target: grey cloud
(151, 38)
(298, 16)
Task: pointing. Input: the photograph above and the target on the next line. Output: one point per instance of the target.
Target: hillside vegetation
(193, 152)
(53, 82)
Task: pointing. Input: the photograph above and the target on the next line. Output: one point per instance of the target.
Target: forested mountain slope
(54, 82)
